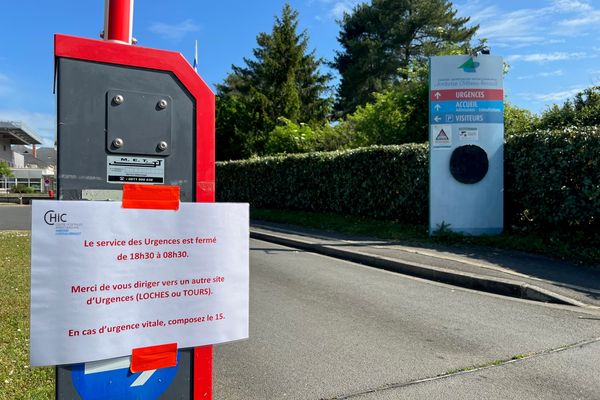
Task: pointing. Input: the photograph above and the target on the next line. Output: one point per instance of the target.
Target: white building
(27, 167)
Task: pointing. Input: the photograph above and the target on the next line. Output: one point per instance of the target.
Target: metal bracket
(138, 123)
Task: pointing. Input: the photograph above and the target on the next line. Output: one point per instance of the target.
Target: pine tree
(384, 37)
(282, 80)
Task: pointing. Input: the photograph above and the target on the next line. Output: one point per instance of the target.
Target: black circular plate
(469, 164)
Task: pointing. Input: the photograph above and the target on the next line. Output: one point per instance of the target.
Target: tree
(241, 122)
(5, 170)
(386, 36)
(518, 120)
(397, 115)
(583, 110)
(283, 80)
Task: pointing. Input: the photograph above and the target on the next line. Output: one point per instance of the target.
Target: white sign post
(105, 280)
(466, 176)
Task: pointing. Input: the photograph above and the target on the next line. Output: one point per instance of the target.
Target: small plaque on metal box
(135, 169)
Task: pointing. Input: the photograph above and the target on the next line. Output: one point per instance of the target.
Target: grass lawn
(17, 379)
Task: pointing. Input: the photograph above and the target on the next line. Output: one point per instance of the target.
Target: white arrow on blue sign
(111, 379)
(474, 118)
(468, 106)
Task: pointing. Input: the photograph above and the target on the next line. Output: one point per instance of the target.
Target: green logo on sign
(469, 65)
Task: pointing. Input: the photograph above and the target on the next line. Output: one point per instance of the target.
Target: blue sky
(552, 46)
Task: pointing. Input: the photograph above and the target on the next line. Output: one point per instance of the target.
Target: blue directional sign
(467, 111)
(112, 379)
(467, 118)
(467, 106)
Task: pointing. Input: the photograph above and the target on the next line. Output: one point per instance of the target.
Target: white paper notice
(105, 280)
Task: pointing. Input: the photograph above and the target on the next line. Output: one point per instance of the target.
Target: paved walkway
(15, 217)
(499, 271)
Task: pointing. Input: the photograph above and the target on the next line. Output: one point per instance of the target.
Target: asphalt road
(327, 329)
(15, 217)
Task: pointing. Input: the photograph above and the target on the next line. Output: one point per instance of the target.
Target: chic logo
(51, 217)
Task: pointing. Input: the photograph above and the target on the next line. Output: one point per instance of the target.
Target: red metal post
(203, 369)
(118, 21)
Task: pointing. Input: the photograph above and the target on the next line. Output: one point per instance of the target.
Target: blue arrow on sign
(111, 379)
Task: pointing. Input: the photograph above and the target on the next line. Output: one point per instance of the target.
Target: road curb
(505, 287)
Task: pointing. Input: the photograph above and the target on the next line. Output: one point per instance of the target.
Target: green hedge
(386, 182)
(552, 181)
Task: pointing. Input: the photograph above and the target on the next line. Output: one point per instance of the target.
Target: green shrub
(5, 170)
(582, 110)
(20, 188)
(397, 115)
(553, 180)
(289, 137)
(518, 120)
(385, 182)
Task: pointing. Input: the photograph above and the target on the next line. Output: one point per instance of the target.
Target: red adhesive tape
(151, 197)
(153, 357)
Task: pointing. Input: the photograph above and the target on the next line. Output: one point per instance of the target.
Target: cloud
(591, 18)
(43, 124)
(519, 42)
(174, 31)
(546, 57)
(478, 14)
(559, 96)
(558, 72)
(505, 29)
(525, 27)
(337, 8)
(572, 5)
(517, 25)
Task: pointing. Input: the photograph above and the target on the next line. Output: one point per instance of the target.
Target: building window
(7, 183)
(23, 181)
(36, 185)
